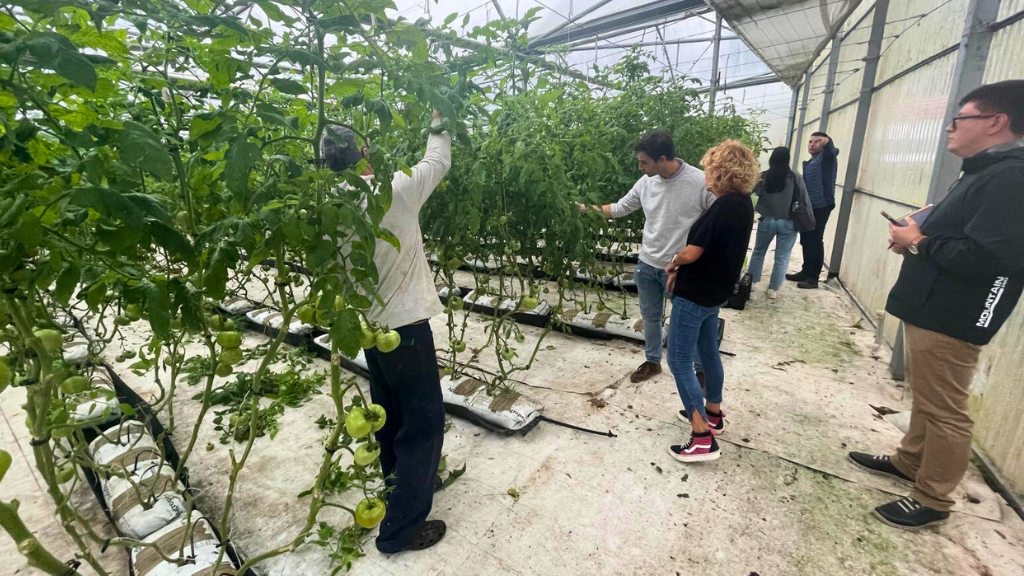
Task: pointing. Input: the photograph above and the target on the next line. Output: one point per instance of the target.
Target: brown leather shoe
(645, 372)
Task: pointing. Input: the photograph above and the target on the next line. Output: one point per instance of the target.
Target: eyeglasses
(972, 117)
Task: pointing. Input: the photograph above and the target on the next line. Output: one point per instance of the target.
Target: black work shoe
(646, 371)
(880, 465)
(430, 534)
(797, 277)
(910, 514)
(809, 284)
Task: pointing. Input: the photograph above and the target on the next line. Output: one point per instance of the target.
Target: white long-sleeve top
(671, 206)
(406, 284)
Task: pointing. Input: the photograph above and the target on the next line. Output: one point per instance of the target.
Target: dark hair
(340, 149)
(822, 134)
(657, 144)
(778, 170)
(1001, 98)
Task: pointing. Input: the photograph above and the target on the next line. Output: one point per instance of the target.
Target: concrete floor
(782, 500)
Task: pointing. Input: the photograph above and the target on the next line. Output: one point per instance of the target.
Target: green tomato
(388, 341)
(339, 303)
(507, 354)
(223, 369)
(529, 303)
(368, 339)
(604, 243)
(227, 325)
(5, 463)
(448, 371)
(122, 321)
(133, 311)
(458, 346)
(181, 219)
(515, 245)
(229, 339)
(364, 456)
(230, 356)
(370, 512)
(455, 303)
(356, 423)
(52, 340)
(75, 385)
(520, 338)
(502, 220)
(377, 416)
(65, 473)
(306, 313)
(303, 214)
(215, 322)
(454, 263)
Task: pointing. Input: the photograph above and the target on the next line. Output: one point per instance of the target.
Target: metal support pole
(714, 63)
(830, 82)
(968, 74)
(671, 68)
(791, 126)
(860, 129)
(800, 126)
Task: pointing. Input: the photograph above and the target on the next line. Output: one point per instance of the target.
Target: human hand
(903, 236)
(671, 284)
(436, 115)
(897, 249)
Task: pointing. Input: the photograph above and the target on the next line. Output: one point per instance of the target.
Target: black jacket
(969, 272)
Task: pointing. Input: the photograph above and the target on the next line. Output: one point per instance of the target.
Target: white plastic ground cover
(98, 405)
(274, 319)
(506, 305)
(189, 537)
(324, 341)
(236, 305)
(610, 323)
(508, 410)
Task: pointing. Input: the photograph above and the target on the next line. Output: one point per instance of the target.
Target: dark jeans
(813, 243)
(406, 383)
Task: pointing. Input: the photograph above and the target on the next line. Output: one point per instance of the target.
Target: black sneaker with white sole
(881, 465)
(909, 514)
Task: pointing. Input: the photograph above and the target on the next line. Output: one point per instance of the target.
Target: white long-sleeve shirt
(671, 206)
(406, 284)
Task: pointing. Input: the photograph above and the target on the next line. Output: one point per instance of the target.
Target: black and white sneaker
(910, 514)
(880, 465)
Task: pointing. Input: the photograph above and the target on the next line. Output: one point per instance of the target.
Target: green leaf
(343, 22)
(465, 21)
(240, 159)
(157, 304)
(171, 240)
(29, 231)
(451, 18)
(141, 147)
(55, 52)
(304, 58)
(287, 86)
(203, 124)
(272, 115)
(346, 331)
(108, 202)
(381, 109)
(66, 283)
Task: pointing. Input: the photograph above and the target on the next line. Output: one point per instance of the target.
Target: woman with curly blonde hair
(701, 278)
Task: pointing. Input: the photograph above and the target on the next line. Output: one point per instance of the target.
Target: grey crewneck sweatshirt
(671, 206)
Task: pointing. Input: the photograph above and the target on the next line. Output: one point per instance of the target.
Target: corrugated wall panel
(1005, 61)
(903, 135)
(869, 269)
(909, 39)
(1010, 7)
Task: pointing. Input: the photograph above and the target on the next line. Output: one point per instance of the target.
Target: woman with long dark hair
(778, 192)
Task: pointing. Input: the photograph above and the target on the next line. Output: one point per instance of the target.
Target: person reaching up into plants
(673, 196)
(404, 380)
(701, 277)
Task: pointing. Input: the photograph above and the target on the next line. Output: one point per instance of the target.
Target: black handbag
(801, 214)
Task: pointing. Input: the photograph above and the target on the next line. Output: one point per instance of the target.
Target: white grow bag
(508, 410)
(236, 305)
(506, 305)
(98, 405)
(193, 540)
(76, 350)
(610, 323)
(121, 443)
(146, 501)
(324, 341)
(274, 319)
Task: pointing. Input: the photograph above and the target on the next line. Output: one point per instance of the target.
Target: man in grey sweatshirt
(673, 195)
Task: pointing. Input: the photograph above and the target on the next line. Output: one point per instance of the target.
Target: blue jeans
(651, 285)
(406, 383)
(695, 326)
(768, 229)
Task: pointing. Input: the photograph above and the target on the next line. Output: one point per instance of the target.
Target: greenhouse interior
(511, 287)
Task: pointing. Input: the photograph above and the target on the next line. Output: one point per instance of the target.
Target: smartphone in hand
(894, 221)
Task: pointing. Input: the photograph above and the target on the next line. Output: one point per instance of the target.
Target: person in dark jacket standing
(962, 275)
(820, 178)
(777, 190)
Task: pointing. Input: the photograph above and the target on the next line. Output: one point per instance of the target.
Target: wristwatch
(913, 245)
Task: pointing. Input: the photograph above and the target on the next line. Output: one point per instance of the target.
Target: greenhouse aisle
(804, 385)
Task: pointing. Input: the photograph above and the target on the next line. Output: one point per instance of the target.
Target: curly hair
(730, 168)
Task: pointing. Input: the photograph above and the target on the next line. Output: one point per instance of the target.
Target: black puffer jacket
(969, 273)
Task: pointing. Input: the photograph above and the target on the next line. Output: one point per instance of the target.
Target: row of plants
(153, 153)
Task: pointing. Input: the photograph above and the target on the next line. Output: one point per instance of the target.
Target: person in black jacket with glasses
(962, 275)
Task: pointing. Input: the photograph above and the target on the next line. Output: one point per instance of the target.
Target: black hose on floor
(608, 434)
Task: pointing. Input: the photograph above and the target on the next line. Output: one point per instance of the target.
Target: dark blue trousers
(406, 383)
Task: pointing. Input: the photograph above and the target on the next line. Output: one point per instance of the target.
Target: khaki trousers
(937, 448)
